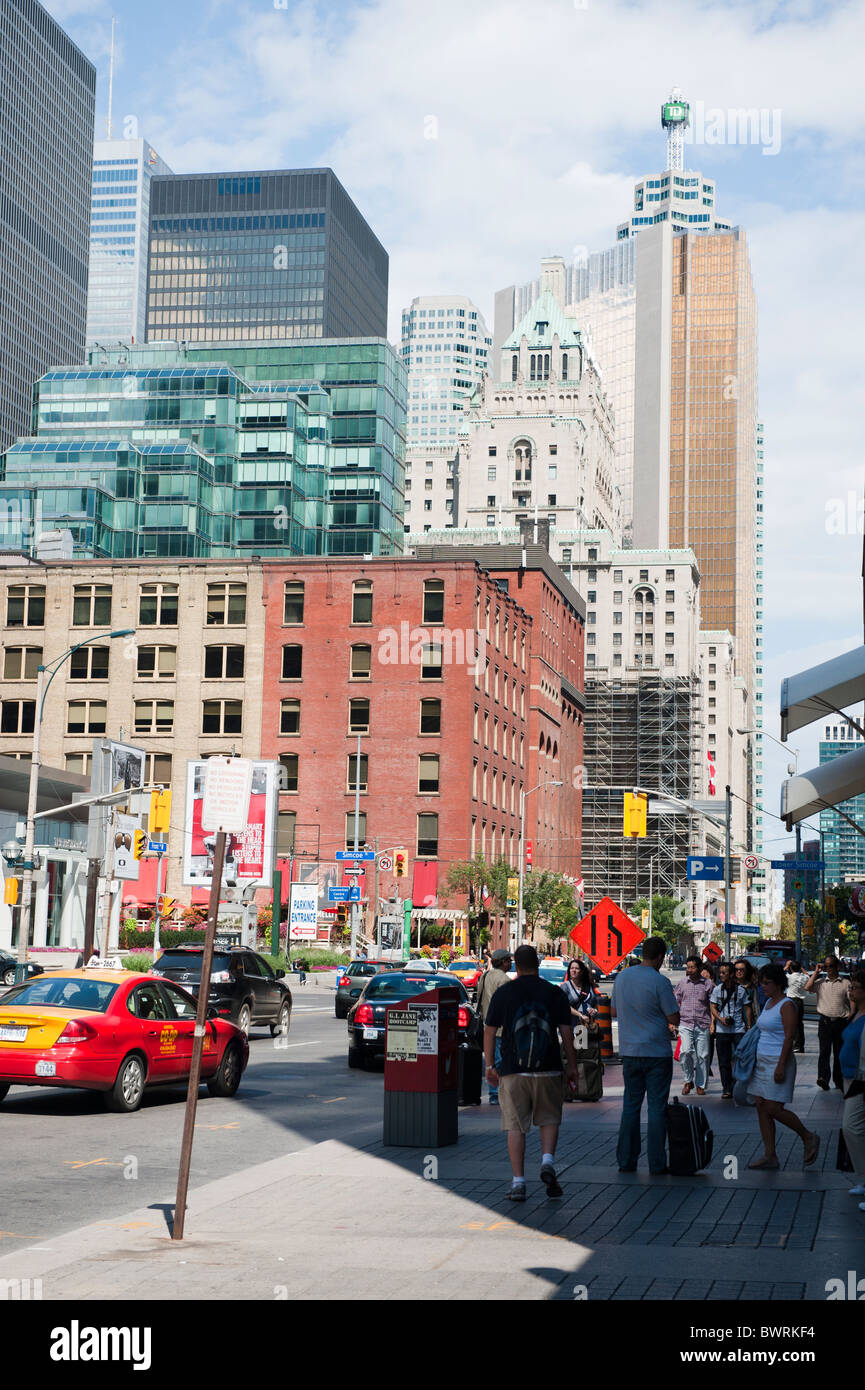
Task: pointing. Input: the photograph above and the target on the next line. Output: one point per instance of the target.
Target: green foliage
(134, 940)
(139, 963)
(668, 920)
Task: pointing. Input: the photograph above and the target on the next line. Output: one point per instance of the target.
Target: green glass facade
(216, 450)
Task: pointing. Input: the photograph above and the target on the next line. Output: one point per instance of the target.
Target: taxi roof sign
(104, 963)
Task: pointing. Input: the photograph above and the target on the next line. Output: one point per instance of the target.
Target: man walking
(531, 1014)
(492, 979)
(647, 1012)
(833, 1009)
(692, 996)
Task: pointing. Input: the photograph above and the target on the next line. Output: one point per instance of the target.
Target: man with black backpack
(531, 1014)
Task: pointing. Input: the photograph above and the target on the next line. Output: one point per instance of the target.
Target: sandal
(811, 1151)
(765, 1163)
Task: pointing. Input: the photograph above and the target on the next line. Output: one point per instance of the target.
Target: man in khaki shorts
(531, 1014)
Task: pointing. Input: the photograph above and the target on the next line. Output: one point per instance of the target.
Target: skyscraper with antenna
(675, 119)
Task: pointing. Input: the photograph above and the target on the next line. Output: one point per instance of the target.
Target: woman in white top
(775, 1072)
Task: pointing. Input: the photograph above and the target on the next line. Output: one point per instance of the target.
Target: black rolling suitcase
(470, 1075)
(590, 1068)
(689, 1138)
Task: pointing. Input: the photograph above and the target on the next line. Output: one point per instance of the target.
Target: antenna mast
(675, 119)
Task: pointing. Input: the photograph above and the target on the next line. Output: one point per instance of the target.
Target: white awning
(822, 691)
(823, 787)
(438, 914)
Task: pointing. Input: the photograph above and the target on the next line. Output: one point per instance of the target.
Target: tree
(548, 902)
(468, 878)
(787, 931)
(668, 920)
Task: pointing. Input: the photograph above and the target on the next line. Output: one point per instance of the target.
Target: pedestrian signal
(342, 915)
(636, 810)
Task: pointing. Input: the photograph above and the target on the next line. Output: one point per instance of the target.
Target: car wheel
(127, 1092)
(283, 1022)
(227, 1078)
(4, 1089)
(355, 1058)
(244, 1018)
(339, 1013)
(9, 976)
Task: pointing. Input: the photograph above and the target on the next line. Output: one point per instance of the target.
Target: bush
(141, 964)
(133, 940)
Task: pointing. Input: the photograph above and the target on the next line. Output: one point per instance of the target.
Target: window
(21, 663)
(491, 475)
(670, 618)
(25, 605)
(593, 554)
(288, 772)
(554, 448)
(157, 663)
(91, 605)
(671, 575)
(670, 596)
(431, 663)
(433, 601)
(86, 717)
(285, 833)
(361, 602)
(617, 576)
(289, 718)
(427, 837)
(669, 660)
(553, 471)
(79, 762)
(358, 716)
(154, 716)
(292, 663)
(352, 784)
(19, 716)
(551, 499)
(224, 663)
(644, 576)
(222, 717)
(361, 663)
(491, 501)
(292, 615)
(431, 717)
(158, 605)
(361, 830)
(617, 639)
(89, 664)
(226, 605)
(492, 451)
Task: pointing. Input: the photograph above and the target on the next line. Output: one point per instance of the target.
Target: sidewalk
(365, 1222)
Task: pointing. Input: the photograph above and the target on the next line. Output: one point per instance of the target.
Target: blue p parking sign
(709, 867)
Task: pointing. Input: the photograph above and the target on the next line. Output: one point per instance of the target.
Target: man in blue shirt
(648, 1015)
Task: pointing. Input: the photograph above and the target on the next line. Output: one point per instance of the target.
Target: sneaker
(494, 1100)
(517, 1194)
(550, 1181)
(857, 1191)
(824, 1085)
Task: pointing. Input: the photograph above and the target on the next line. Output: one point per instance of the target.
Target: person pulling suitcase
(579, 990)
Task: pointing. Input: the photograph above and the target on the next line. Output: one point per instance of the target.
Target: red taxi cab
(112, 1031)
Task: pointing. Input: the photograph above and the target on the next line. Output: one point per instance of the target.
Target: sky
(477, 138)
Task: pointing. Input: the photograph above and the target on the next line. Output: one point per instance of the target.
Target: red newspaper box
(420, 1069)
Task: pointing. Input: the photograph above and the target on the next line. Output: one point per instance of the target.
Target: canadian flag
(710, 758)
(579, 885)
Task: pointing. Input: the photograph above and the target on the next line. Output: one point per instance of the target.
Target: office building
(843, 843)
(119, 234)
(215, 450)
(47, 102)
(262, 256)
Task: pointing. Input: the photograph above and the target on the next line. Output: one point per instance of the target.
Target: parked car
(113, 1031)
(366, 1021)
(351, 982)
(554, 969)
(9, 964)
(243, 986)
(469, 971)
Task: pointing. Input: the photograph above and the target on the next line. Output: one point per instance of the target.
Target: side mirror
(212, 1011)
(280, 974)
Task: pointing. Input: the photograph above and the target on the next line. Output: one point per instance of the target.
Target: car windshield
(190, 961)
(404, 986)
(49, 992)
(464, 965)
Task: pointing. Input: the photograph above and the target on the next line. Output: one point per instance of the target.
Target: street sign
(607, 934)
(740, 929)
(343, 854)
(227, 789)
(513, 892)
(713, 951)
(800, 866)
(385, 863)
(303, 912)
(708, 868)
(338, 895)
(751, 862)
(157, 847)
(354, 895)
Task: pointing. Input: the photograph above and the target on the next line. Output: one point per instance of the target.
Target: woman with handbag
(731, 1015)
(580, 992)
(774, 1077)
(852, 1060)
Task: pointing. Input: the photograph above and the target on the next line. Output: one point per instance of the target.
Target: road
(68, 1161)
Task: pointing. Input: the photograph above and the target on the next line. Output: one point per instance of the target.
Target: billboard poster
(126, 866)
(249, 852)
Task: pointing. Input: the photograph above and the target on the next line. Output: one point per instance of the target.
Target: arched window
(546, 367)
(533, 367)
(564, 366)
(515, 366)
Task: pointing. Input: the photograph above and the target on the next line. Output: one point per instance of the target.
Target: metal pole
(798, 895)
(728, 935)
(26, 917)
(651, 887)
(158, 914)
(355, 907)
(519, 931)
(198, 1040)
(375, 932)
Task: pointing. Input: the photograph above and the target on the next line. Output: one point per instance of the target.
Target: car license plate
(13, 1034)
(370, 1034)
(46, 1068)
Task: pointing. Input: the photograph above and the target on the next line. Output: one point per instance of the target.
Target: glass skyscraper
(47, 101)
(256, 256)
(843, 845)
(162, 450)
(119, 234)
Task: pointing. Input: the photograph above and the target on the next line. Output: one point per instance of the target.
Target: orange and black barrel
(605, 1024)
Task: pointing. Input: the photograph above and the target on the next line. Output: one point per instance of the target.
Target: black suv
(243, 987)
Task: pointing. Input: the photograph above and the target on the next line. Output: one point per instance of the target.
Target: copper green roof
(544, 320)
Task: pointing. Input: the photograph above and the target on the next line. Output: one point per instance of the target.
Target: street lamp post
(523, 795)
(44, 677)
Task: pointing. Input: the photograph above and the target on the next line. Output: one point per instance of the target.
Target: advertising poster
(248, 853)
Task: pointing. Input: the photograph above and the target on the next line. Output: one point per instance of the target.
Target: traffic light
(160, 814)
(400, 864)
(342, 915)
(139, 844)
(636, 808)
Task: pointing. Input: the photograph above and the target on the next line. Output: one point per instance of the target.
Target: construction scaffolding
(642, 731)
